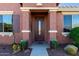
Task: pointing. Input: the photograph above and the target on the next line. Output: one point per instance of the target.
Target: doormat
(40, 42)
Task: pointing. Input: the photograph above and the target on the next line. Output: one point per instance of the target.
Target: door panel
(39, 28)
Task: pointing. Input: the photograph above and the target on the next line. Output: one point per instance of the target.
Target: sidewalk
(39, 49)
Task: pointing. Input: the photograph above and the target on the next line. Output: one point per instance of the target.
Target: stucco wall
(10, 7)
(43, 5)
(52, 19)
(15, 7)
(22, 23)
(60, 25)
(6, 39)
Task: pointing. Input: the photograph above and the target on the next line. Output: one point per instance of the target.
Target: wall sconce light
(39, 4)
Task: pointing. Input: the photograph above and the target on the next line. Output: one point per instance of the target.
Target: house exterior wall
(25, 15)
(43, 5)
(60, 26)
(15, 7)
(21, 26)
(26, 34)
(52, 18)
(10, 7)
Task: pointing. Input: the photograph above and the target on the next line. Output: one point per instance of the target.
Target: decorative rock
(14, 52)
(71, 49)
(26, 51)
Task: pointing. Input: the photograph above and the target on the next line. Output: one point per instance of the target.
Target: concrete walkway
(39, 49)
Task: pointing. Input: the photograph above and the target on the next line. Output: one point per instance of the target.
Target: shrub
(53, 43)
(19, 47)
(74, 35)
(71, 49)
(24, 44)
(16, 48)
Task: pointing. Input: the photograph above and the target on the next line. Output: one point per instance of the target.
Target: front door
(39, 29)
(39, 25)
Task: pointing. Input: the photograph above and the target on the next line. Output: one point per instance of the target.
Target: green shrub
(19, 47)
(16, 47)
(24, 44)
(53, 43)
(74, 35)
(71, 49)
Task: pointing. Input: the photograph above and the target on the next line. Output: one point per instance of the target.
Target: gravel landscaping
(59, 51)
(5, 50)
(56, 52)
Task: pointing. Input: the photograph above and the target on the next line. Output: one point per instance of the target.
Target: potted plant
(53, 43)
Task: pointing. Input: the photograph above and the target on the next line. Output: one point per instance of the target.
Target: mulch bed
(59, 51)
(56, 52)
(5, 50)
(26, 52)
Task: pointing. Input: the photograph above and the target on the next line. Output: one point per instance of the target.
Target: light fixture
(39, 4)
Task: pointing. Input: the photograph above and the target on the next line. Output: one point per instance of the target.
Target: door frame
(46, 34)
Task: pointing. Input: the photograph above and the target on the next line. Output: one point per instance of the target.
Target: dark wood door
(39, 32)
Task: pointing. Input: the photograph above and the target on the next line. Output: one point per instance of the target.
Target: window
(1, 23)
(67, 23)
(70, 21)
(75, 21)
(5, 23)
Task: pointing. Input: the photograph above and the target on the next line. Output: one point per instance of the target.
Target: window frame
(3, 31)
(66, 33)
(71, 24)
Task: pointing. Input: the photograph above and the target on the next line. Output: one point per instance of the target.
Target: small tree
(74, 35)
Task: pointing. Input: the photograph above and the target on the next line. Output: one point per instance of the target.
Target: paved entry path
(39, 49)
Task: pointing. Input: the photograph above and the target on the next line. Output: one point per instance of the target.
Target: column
(52, 19)
(25, 24)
